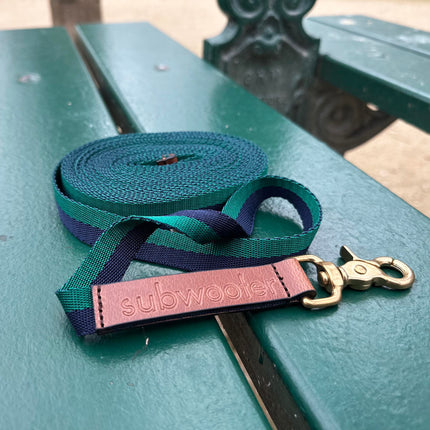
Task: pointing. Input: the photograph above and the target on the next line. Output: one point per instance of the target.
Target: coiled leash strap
(122, 196)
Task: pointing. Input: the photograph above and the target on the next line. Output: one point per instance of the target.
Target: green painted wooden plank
(408, 38)
(361, 365)
(177, 376)
(394, 79)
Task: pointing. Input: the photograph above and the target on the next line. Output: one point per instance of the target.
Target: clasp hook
(356, 273)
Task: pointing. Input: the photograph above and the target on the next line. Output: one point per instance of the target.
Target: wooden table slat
(363, 364)
(176, 376)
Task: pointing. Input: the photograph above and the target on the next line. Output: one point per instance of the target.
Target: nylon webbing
(193, 215)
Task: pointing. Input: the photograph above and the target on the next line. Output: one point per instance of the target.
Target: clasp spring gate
(357, 274)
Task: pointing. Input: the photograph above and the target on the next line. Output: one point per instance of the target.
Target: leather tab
(166, 298)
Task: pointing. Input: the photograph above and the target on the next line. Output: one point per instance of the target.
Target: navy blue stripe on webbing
(192, 261)
(84, 232)
(124, 253)
(249, 209)
(224, 226)
(191, 238)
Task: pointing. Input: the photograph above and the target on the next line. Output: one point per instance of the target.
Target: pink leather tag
(163, 298)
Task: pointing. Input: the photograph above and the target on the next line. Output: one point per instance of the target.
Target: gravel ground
(399, 157)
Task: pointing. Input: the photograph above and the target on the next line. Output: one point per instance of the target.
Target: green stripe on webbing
(247, 247)
(209, 169)
(79, 284)
(119, 185)
(204, 233)
(235, 203)
(120, 175)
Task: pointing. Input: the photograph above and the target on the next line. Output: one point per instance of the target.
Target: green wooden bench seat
(176, 376)
(363, 364)
(378, 62)
(408, 38)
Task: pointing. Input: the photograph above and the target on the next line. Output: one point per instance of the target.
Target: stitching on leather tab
(281, 280)
(99, 296)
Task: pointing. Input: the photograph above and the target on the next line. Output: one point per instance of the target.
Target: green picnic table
(363, 364)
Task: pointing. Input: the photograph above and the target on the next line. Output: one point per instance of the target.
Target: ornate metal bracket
(265, 49)
(338, 118)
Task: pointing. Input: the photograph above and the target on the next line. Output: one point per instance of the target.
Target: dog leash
(188, 200)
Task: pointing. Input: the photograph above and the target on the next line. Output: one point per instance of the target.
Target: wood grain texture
(363, 364)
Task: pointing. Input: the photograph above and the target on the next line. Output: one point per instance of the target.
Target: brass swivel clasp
(356, 273)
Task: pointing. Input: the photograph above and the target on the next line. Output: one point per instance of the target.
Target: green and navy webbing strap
(195, 214)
